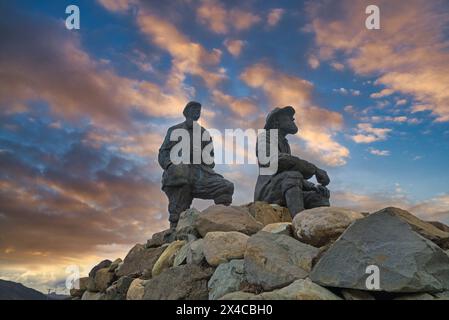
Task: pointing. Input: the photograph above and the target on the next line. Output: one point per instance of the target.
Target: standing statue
(185, 181)
(289, 186)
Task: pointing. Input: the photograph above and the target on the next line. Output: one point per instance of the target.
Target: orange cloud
(234, 46)
(274, 16)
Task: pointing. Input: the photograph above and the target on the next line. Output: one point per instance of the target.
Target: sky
(83, 112)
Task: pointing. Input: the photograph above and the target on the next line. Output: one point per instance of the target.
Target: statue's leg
(211, 185)
(179, 200)
(313, 199)
(295, 200)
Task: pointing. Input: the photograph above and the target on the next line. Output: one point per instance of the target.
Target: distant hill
(16, 291)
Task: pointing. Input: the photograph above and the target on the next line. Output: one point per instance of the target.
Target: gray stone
(186, 224)
(302, 289)
(238, 295)
(160, 238)
(351, 294)
(114, 265)
(138, 260)
(220, 247)
(119, 289)
(321, 226)
(408, 262)
(227, 278)
(181, 256)
(186, 282)
(222, 218)
(273, 261)
(195, 254)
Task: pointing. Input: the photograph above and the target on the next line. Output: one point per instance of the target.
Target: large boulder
(119, 289)
(320, 226)
(78, 292)
(407, 261)
(139, 260)
(267, 213)
(275, 260)
(227, 278)
(426, 229)
(223, 218)
(136, 290)
(220, 247)
(186, 282)
(101, 265)
(103, 279)
(167, 257)
(160, 238)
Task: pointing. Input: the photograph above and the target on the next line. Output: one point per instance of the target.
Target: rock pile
(257, 252)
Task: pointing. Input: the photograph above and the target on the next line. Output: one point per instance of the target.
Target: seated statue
(289, 187)
(185, 181)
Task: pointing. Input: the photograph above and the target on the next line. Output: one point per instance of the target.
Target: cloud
(217, 18)
(407, 57)
(234, 47)
(382, 94)
(338, 66)
(367, 134)
(274, 16)
(318, 126)
(313, 62)
(345, 92)
(117, 5)
(242, 107)
(382, 153)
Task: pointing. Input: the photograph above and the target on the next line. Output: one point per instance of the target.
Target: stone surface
(195, 254)
(427, 230)
(408, 263)
(103, 279)
(350, 294)
(227, 278)
(320, 226)
(82, 288)
(416, 296)
(186, 282)
(160, 238)
(284, 228)
(267, 213)
(220, 247)
(302, 289)
(93, 296)
(273, 261)
(186, 223)
(139, 259)
(439, 225)
(222, 218)
(167, 258)
(101, 265)
(119, 289)
(115, 264)
(238, 295)
(136, 290)
(181, 256)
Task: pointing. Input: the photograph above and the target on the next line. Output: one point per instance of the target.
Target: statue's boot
(295, 200)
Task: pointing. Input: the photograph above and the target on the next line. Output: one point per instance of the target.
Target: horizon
(84, 112)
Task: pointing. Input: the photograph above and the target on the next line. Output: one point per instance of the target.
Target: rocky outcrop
(254, 252)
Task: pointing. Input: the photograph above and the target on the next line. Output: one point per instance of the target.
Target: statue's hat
(275, 112)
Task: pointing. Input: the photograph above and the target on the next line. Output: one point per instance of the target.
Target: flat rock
(408, 262)
(139, 259)
(279, 228)
(220, 247)
(136, 290)
(267, 213)
(320, 226)
(186, 282)
(167, 258)
(195, 254)
(227, 278)
(273, 261)
(302, 289)
(426, 229)
(223, 218)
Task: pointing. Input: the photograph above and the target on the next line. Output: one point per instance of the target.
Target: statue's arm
(294, 163)
(164, 152)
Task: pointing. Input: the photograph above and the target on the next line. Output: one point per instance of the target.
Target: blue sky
(83, 112)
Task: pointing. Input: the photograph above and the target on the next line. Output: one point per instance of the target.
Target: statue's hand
(322, 177)
(323, 191)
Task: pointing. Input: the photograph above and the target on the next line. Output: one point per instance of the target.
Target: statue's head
(192, 111)
(282, 119)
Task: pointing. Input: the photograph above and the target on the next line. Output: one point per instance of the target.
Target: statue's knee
(229, 187)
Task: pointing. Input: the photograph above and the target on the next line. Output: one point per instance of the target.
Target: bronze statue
(289, 187)
(185, 181)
